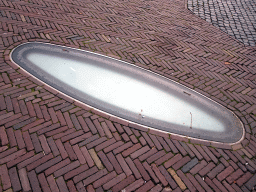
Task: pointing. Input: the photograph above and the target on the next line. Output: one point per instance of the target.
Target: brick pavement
(235, 17)
(49, 142)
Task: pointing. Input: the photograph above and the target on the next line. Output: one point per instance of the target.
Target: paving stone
(14, 179)
(34, 181)
(123, 183)
(189, 165)
(114, 181)
(24, 180)
(43, 182)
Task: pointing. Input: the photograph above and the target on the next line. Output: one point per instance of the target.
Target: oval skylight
(129, 92)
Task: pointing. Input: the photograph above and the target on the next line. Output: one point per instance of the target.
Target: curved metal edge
(91, 107)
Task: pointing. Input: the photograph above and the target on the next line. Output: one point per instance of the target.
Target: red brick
(186, 181)
(146, 137)
(203, 184)
(114, 181)
(3, 137)
(225, 173)
(98, 127)
(80, 138)
(75, 172)
(85, 174)
(194, 182)
(159, 175)
(44, 144)
(56, 167)
(234, 176)
(87, 156)
(156, 156)
(61, 184)
(53, 115)
(11, 137)
(39, 162)
(134, 185)
(110, 126)
(30, 160)
(244, 179)
(141, 169)
(220, 186)
(48, 164)
(61, 148)
(56, 131)
(114, 162)
(8, 152)
(105, 161)
(83, 124)
(173, 160)
(133, 168)
(36, 143)
(180, 163)
(91, 125)
(156, 142)
(6, 181)
(27, 140)
(46, 115)
(123, 164)
(215, 171)
(52, 183)
(71, 186)
(41, 126)
(31, 109)
(113, 146)
(105, 144)
(79, 154)
(12, 156)
(131, 150)
(150, 171)
(104, 179)
(14, 179)
(168, 177)
(123, 183)
(96, 142)
(206, 169)
(61, 118)
(95, 177)
(146, 187)
(43, 182)
(47, 129)
(198, 167)
(122, 148)
(195, 151)
(20, 159)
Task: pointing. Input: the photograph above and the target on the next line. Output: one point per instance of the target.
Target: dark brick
(95, 177)
(48, 164)
(215, 171)
(123, 183)
(66, 169)
(62, 185)
(114, 162)
(14, 179)
(168, 177)
(251, 183)
(225, 173)
(76, 171)
(34, 181)
(189, 165)
(156, 156)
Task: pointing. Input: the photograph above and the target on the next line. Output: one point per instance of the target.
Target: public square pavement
(50, 142)
(235, 17)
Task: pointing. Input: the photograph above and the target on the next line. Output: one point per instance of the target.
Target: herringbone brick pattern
(50, 142)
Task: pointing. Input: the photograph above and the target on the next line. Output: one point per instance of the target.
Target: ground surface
(235, 17)
(52, 143)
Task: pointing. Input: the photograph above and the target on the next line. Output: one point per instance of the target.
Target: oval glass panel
(129, 92)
